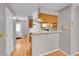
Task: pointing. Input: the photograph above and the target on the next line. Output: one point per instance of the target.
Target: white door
(9, 35)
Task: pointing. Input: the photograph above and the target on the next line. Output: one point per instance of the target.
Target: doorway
(23, 48)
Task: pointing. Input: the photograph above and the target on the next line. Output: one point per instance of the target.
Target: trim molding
(74, 54)
(9, 54)
(10, 8)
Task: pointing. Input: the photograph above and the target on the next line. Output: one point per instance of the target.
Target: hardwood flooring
(57, 53)
(77, 54)
(23, 48)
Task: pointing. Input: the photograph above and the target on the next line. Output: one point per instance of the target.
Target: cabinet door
(43, 17)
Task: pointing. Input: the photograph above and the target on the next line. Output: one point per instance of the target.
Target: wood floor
(77, 54)
(23, 48)
(57, 53)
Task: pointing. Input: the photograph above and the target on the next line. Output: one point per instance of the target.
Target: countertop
(52, 32)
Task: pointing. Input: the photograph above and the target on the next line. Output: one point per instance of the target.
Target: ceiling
(26, 9)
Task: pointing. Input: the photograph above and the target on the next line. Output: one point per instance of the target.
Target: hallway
(23, 48)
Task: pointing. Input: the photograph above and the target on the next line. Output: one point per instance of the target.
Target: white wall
(25, 27)
(48, 11)
(64, 18)
(77, 22)
(43, 43)
(69, 40)
(35, 15)
(2, 29)
(74, 32)
(9, 31)
(75, 29)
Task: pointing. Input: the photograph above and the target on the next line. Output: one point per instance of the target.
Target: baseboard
(54, 51)
(9, 54)
(75, 54)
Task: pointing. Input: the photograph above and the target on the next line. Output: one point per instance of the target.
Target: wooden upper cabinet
(30, 23)
(43, 17)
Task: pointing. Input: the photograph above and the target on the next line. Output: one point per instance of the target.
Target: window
(18, 27)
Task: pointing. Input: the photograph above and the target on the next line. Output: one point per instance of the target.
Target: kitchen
(60, 32)
(43, 32)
